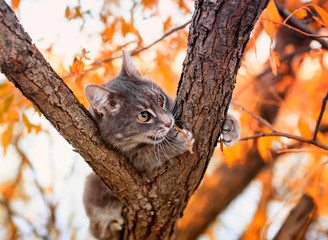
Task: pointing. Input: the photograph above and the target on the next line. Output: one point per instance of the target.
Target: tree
(218, 36)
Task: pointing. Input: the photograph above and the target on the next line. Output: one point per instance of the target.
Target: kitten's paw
(230, 130)
(186, 139)
(117, 224)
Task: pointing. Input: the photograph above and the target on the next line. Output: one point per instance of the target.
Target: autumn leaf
(167, 24)
(29, 125)
(15, 4)
(271, 12)
(7, 136)
(67, 13)
(149, 3)
(108, 33)
(264, 146)
(125, 27)
(77, 66)
(323, 20)
(300, 13)
(78, 12)
(8, 101)
(3, 85)
(304, 128)
(232, 154)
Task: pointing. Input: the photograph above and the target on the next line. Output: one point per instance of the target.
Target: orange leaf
(304, 128)
(68, 13)
(15, 4)
(7, 136)
(108, 33)
(232, 154)
(8, 101)
(78, 12)
(300, 14)
(125, 27)
(168, 23)
(264, 146)
(27, 123)
(3, 85)
(271, 12)
(323, 15)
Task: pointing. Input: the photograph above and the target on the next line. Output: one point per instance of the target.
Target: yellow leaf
(78, 12)
(68, 13)
(264, 146)
(3, 85)
(232, 154)
(13, 116)
(27, 123)
(8, 101)
(37, 111)
(7, 136)
(304, 128)
(271, 12)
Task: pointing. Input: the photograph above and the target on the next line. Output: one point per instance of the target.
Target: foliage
(282, 92)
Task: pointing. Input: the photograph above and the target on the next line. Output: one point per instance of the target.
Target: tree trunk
(218, 36)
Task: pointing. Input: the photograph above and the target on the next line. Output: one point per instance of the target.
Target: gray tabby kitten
(134, 116)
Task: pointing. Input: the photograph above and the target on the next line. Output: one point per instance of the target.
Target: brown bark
(218, 36)
(228, 182)
(298, 220)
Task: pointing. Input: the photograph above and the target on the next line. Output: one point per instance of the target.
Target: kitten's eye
(161, 100)
(144, 116)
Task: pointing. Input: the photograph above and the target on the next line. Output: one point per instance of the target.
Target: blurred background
(248, 190)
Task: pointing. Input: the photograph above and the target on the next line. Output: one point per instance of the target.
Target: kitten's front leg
(177, 142)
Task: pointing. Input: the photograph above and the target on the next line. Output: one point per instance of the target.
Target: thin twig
(293, 21)
(286, 150)
(144, 48)
(322, 110)
(257, 117)
(286, 135)
(312, 35)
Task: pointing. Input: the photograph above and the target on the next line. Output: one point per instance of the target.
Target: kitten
(134, 115)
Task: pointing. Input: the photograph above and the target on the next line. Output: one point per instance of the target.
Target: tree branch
(322, 110)
(218, 36)
(298, 220)
(25, 66)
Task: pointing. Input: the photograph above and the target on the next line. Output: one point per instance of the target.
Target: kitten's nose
(168, 125)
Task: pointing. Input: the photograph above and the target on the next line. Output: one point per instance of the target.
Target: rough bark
(238, 176)
(218, 36)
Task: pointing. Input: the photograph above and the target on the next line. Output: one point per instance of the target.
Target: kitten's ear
(128, 69)
(100, 99)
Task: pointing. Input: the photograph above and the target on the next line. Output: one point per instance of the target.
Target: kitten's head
(130, 110)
